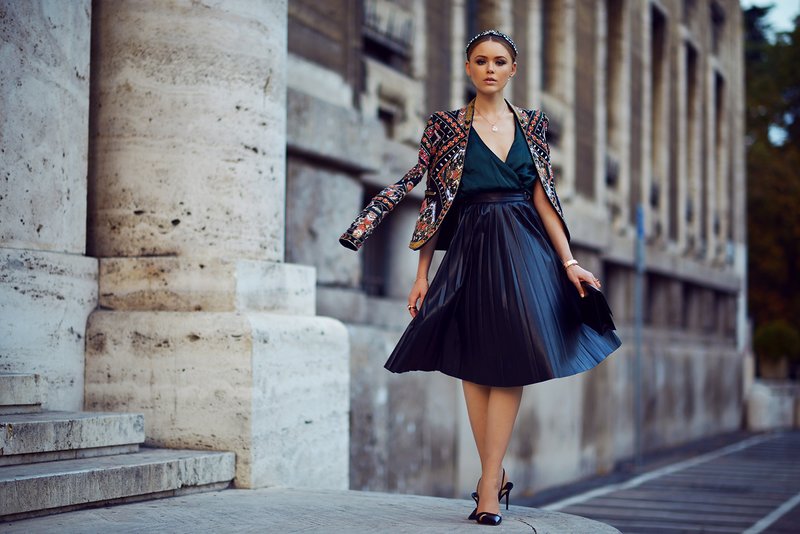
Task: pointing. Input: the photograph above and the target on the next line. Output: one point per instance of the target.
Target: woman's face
(490, 67)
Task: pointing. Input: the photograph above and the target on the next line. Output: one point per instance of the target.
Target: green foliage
(773, 172)
(777, 339)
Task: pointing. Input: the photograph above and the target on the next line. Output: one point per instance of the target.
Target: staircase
(53, 461)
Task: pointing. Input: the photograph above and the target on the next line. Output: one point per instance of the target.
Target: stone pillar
(459, 38)
(495, 14)
(203, 326)
(47, 286)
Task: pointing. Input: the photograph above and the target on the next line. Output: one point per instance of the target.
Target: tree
(773, 171)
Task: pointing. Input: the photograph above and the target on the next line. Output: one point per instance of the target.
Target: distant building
(645, 100)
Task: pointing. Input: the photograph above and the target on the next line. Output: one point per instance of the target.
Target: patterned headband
(494, 33)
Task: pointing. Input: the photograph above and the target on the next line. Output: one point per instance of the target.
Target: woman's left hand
(578, 274)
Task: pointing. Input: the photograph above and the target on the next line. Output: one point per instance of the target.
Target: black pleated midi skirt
(500, 310)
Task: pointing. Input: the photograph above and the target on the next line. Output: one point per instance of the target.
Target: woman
(502, 311)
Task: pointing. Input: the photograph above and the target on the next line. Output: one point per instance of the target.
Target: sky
(781, 16)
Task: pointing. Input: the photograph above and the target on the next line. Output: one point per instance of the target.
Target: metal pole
(638, 314)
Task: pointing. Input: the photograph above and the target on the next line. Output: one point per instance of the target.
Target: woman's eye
(481, 62)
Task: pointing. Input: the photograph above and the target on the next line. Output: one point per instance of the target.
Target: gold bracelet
(570, 263)
(422, 278)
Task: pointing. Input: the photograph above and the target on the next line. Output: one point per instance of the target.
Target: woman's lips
(490, 80)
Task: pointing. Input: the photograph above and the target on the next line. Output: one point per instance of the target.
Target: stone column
(459, 38)
(47, 286)
(495, 14)
(203, 326)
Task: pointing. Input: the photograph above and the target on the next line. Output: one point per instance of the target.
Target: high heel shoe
(474, 496)
(487, 518)
(474, 513)
(505, 490)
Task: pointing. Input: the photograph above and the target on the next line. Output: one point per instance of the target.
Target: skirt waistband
(498, 196)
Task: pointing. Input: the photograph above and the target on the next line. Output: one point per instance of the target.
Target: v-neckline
(504, 161)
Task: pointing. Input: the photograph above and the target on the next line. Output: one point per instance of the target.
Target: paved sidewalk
(735, 483)
(288, 510)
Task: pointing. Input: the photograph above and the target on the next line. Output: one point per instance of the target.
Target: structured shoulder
(537, 117)
(445, 125)
(537, 123)
(445, 116)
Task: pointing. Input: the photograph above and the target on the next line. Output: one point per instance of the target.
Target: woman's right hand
(418, 292)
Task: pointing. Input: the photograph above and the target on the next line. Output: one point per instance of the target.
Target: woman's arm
(552, 224)
(420, 287)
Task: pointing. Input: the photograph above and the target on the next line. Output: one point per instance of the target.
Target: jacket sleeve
(551, 189)
(382, 203)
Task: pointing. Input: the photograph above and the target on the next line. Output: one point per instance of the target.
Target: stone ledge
(341, 136)
(772, 405)
(189, 284)
(295, 510)
(23, 435)
(51, 486)
(20, 393)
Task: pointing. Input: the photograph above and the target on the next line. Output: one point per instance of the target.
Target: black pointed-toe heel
(474, 496)
(486, 518)
(474, 513)
(505, 490)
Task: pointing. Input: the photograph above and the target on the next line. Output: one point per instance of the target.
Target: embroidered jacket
(441, 154)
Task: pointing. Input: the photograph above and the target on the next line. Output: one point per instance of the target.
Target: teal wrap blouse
(485, 171)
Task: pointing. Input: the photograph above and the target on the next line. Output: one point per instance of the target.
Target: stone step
(51, 487)
(21, 393)
(50, 436)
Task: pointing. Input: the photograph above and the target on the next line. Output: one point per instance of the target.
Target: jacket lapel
(465, 116)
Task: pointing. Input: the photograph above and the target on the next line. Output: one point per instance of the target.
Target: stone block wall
(47, 286)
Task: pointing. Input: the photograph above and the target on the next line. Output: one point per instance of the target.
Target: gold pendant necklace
(494, 125)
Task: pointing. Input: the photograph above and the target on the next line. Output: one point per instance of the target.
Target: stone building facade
(176, 175)
(645, 103)
(142, 206)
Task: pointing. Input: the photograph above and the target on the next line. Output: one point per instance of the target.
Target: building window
(389, 114)
(586, 97)
(688, 10)
(613, 69)
(388, 32)
(720, 129)
(471, 14)
(471, 28)
(614, 60)
(658, 91)
(717, 26)
(692, 162)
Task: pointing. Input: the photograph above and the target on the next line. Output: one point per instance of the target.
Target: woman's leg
(477, 398)
(492, 412)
